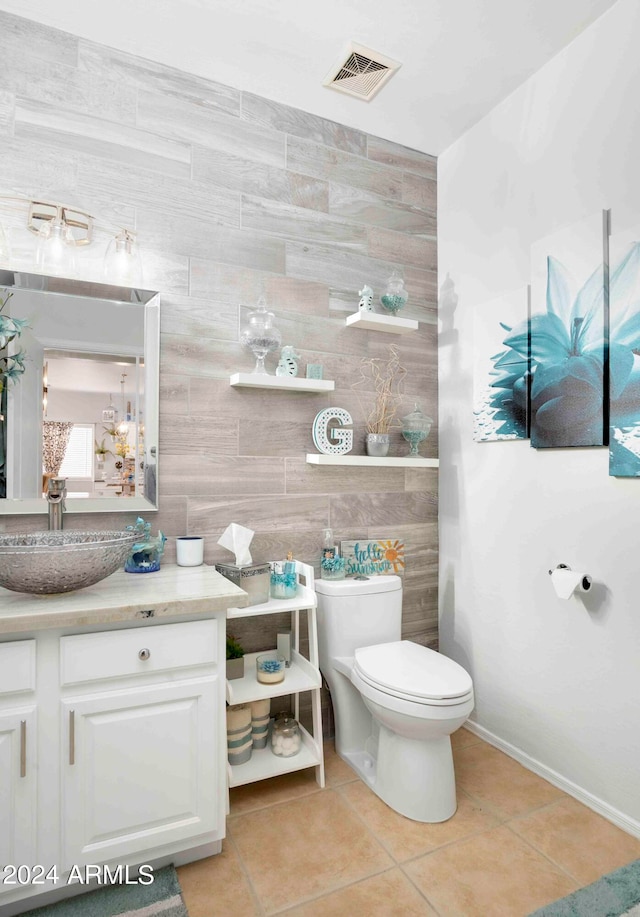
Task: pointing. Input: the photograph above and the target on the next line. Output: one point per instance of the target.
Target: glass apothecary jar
(415, 429)
(259, 335)
(285, 736)
(395, 296)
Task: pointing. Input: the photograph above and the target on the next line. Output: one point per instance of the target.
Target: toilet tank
(357, 612)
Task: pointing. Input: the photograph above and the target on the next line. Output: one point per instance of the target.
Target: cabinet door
(17, 788)
(141, 770)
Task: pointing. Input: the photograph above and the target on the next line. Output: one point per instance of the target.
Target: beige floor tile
(497, 780)
(336, 771)
(494, 874)
(305, 848)
(217, 887)
(388, 895)
(404, 838)
(579, 840)
(263, 793)
(461, 738)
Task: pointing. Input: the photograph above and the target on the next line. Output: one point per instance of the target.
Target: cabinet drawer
(139, 651)
(17, 666)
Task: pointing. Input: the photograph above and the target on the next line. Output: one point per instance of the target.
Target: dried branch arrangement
(388, 378)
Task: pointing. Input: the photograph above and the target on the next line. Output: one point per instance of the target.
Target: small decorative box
(253, 578)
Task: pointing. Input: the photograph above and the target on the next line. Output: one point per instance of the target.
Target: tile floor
(515, 844)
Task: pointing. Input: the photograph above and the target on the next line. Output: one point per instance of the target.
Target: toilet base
(427, 790)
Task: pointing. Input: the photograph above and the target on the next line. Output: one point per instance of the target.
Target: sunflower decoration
(393, 553)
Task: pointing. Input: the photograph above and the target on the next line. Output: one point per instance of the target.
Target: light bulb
(122, 261)
(55, 253)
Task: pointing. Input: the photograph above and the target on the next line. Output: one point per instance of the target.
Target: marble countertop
(171, 591)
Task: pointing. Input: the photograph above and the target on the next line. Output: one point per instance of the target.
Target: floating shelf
(318, 458)
(286, 383)
(373, 321)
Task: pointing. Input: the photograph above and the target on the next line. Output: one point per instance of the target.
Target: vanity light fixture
(61, 230)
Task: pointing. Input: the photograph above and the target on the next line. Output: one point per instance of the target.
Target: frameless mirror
(81, 399)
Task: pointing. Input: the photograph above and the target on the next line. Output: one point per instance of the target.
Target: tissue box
(253, 578)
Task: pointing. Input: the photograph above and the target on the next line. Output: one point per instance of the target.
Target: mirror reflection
(80, 393)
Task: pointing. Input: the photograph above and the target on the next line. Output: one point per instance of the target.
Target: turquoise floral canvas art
(500, 373)
(624, 349)
(567, 337)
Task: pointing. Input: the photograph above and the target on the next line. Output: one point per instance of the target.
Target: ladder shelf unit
(302, 676)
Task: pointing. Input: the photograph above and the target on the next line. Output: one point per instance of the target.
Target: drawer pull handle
(144, 654)
(72, 737)
(23, 748)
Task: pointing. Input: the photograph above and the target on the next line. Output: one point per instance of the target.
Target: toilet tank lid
(352, 586)
(413, 670)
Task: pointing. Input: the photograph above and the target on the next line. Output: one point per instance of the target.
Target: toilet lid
(413, 671)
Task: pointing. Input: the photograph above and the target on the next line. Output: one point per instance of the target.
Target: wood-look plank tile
(64, 86)
(7, 106)
(317, 334)
(339, 269)
(298, 223)
(226, 284)
(402, 157)
(304, 478)
(258, 110)
(274, 435)
(261, 514)
(395, 246)
(421, 478)
(170, 194)
(34, 171)
(209, 127)
(43, 42)
(240, 174)
(419, 192)
(243, 249)
(369, 509)
(144, 74)
(199, 238)
(355, 204)
(344, 168)
(212, 473)
(198, 356)
(198, 434)
(198, 318)
(165, 272)
(39, 123)
(174, 394)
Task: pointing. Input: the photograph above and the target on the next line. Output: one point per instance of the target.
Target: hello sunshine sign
(373, 558)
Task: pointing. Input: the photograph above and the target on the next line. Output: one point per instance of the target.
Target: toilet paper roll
(567, 582)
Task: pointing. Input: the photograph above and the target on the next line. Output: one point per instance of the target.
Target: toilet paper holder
(585, 583)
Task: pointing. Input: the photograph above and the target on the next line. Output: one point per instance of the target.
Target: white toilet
(395, 702)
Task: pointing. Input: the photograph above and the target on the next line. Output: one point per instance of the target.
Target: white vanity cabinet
(18, 792)
(303, 676)
(112, 728)
(141, 732)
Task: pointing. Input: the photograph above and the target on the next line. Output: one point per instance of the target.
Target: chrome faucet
(56, 492)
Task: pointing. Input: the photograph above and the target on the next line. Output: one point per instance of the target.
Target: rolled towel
(239, 739)
(260, 712)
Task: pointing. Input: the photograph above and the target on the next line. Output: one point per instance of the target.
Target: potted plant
(101, 450)
(235, 658)
(387, 377)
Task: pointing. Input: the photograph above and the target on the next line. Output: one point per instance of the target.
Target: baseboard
(630, 825)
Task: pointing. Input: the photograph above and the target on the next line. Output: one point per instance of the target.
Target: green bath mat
(162, 898)
(614, 895)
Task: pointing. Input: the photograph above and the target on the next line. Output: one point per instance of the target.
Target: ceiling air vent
(361, 72)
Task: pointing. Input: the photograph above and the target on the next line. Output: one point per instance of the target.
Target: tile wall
(234, 196)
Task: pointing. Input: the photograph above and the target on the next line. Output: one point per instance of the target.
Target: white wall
(558, 681)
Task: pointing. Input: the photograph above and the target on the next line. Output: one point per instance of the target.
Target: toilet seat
(412, 673)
